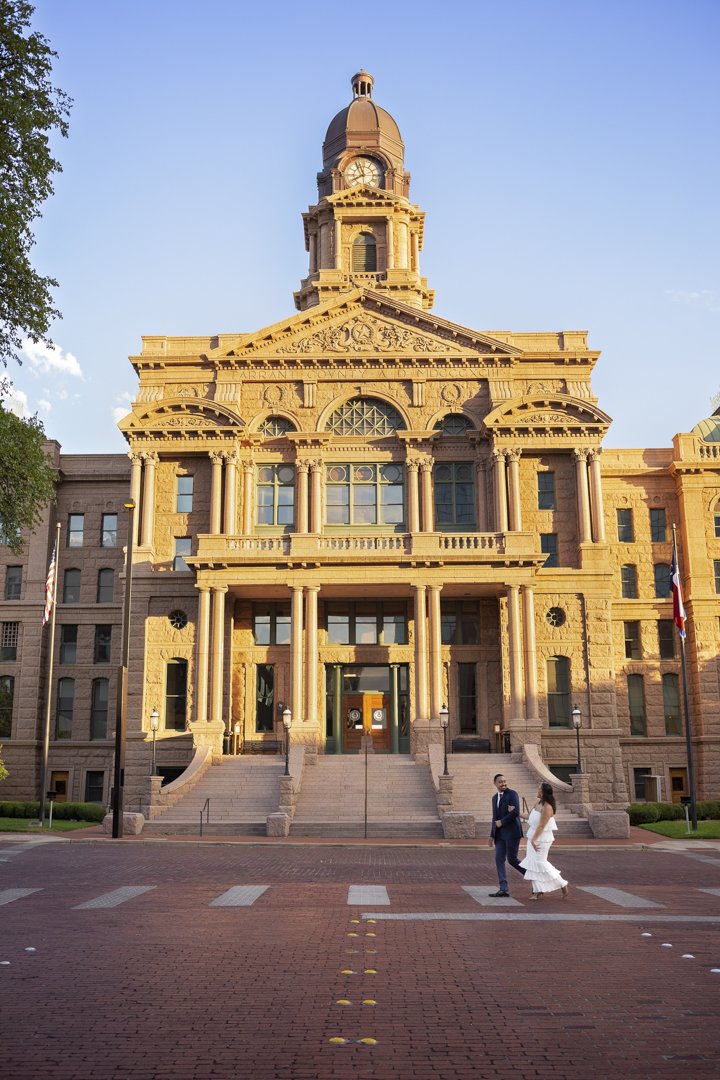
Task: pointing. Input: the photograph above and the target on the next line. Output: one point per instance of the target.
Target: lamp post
(236, 740)
(121, 707)
(444, 721)
(287, 724)
(576, 718)
(154, 724)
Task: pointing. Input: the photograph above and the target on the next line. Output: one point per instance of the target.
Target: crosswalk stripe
(482, 896)
(367, 894)
(239, 896)
(713, 892)
(619, 897)
(527, 916)
(8, 895)
(114, 898)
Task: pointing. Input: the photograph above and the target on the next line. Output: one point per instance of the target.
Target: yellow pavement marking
(338, 1041)
(343, 1001)
(370, 971)
(368, 1042)
(369, 1001)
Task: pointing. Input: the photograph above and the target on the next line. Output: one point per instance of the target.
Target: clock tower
(363, 231)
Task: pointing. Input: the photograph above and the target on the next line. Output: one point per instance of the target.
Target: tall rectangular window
(632, 640)
(13, 582)
(103, 644)
(68, 644)
(183, 547)
(467, 698)
(459, 622)
(454, 489)
(75, 530)
(9, 642)
(716, 568)
(105, 586)
(7, 694)
(625, 528)
(671, 703)
(265, 699)
(99, 709)
(663, 582)
(175, 694)
(271, 624)
(64, 708)
(549, 546)
(108, 535)
(184, 495)
(639, 777)
(628, 582)
(371, 623)
(365, 495)
(658, 526)
(546, 490)
(666, 639)
(71, 587)
(558, 691)
(276, 495)
(94, 785)
(636, 704)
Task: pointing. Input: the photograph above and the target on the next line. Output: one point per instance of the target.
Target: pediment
(364, 323)
(363, 195)
(556, 414)
(179, 415)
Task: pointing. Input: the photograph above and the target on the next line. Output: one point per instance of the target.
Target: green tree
(3, 770)
(31, 109)
(27, 477)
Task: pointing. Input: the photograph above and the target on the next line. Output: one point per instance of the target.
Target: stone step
(375, 829)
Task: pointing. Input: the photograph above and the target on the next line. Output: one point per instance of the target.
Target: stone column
(415, 251)
(412, 467)
(531, 683)
(135, 491)
(390, 241)
(422, 710)
(338, 244)
(316, 497)
(248, 472)
(296, 623)
(231, 464)
(313, 252)
(202, 654)
(218, 654)
(581, 478)
(596, 498)
(513, 458)
(216, 457)
(481, 507)
(501, 514)
(301, 510)
(426, 468)
(515, 653)
(148, 498)
(436, 683)
(311, 642)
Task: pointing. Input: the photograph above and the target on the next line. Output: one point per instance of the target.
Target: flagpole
(679, 618)
(48, 694)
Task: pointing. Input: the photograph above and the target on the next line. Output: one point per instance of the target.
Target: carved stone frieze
(362, 333)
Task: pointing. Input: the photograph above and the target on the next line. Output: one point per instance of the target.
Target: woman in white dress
(540, 835)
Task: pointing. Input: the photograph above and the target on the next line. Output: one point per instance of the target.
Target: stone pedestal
(458, 826)
(609, 824)
(278, 825)
(132, 824)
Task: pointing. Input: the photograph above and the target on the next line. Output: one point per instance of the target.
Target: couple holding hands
(505, 834)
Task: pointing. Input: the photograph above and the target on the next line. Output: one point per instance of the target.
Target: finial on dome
(362, 84)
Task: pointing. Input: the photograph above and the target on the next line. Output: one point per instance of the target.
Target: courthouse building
(365, 512)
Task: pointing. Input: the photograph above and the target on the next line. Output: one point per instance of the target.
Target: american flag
(50, 588)
(678, 606)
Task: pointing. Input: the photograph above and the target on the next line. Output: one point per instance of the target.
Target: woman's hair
(547, 795)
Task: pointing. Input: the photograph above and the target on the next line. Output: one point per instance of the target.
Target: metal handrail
(206, 807)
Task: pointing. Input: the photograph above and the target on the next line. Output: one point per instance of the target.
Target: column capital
(594, 454)
(150, 457)
(420, 588)
(498, 455)
(513, 455)
(412, 464)
(216, 456)
(232, 457)
(426, 466)
(219, 588)
(433, 588)
(303, 465)
(581, 454)
(309, 588)
(247, 466)
(136, 458)
(481, 464)
(315, 464)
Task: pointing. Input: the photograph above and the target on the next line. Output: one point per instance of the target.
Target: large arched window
(176, 694)
(7, 694)
(64, 708)
(99, 709)
(365, 416)
(364, 254)
(671, 703)
(558, 691)
(454, 424)
(71, 587)
(275, 426)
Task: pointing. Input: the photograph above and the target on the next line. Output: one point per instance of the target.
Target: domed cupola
(709, 429)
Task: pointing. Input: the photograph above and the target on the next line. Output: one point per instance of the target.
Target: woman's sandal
(535, 896)
(564, 892)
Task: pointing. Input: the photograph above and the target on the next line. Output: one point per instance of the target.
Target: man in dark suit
(505, 831)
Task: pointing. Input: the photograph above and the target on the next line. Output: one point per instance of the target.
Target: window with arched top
(671, 703)
(663, 581)
(64, 708)
(454, 424)
(364, 254)
(716, 516)
(105, 586)
(365, 416)
(99, 709)
(558, 691)
(274, 426)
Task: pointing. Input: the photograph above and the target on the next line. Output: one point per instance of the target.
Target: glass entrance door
(368, 699)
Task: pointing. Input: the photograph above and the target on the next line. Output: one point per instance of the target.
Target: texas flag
(49, 590)
(678, 606)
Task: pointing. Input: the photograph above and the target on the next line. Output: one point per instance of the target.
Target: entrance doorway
(678, 784)
(59, 784)
(367, 699)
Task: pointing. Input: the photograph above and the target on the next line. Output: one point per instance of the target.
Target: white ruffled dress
(543, 875)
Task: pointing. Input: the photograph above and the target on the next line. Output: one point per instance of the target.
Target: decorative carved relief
(451, 393)
(187, 390)
(362, 334)
(275, 394)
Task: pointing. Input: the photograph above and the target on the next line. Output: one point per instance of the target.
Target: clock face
(363, 171)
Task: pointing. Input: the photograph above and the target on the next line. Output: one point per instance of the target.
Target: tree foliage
(27, 476)
(31, 108)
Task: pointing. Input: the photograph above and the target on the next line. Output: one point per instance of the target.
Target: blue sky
(566, 155)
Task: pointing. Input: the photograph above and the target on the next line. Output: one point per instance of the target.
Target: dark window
(13, 582)
(632, 640)
(663, 583)
(459, 622)
(68, 644)
(175, 694)
(108, 536)
(454, 488)
(546, 490)
(94, 785)
(99, 709)
(276, 495)
(636, 704)
(274, 427)
(658, 526)
(76, 530)
(666, 639)
(103, 644)
(716, 518)
(183, 547)
(625, 530)
(371, 623)
(71, 587)
(64, 708)
(271, 624)
(7, 693)
(467, 698)
(184, 498)
(716, 568)
(265, 699)
(105, 586)
(558, 691)
(671, 704)
(364, 254)
(549, 547)
(454, 424)
(338, 627)
(639, 776)
(628, 582)
(365, 495)
(9, 642)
